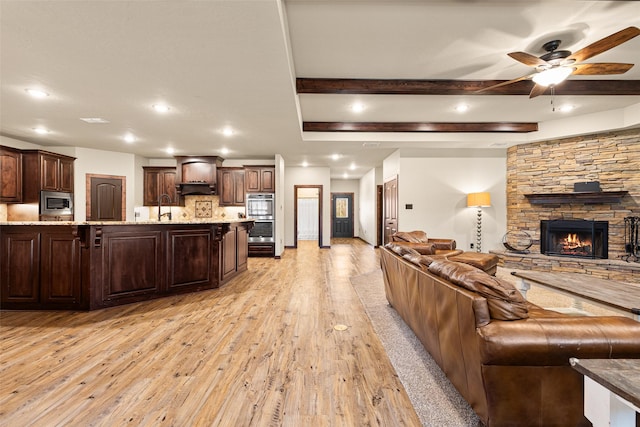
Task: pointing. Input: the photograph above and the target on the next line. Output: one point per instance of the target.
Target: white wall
(350, 186)
(16, 143)
(391, 166)
(306, 176)
(89, 161)
(280, 212)
(437, 188)
(367, 213)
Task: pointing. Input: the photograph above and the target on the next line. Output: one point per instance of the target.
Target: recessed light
(461, 108)
(161, 108)
(335, 156)
(129, 138)
(37, 93)
(566, 108)
(94, 120)
(224, 150)
(345, 175)
(227, 131)
(40, 131)
(357, 107)
(170, 150)
(353, 166)
(305, 164)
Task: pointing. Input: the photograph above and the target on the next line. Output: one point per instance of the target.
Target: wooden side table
(611, 390)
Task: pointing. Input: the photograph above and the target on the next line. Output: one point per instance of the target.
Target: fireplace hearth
(574, 238)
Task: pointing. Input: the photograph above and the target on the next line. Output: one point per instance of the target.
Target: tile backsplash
(198, 208)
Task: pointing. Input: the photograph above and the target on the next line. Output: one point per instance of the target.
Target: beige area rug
(435, 399)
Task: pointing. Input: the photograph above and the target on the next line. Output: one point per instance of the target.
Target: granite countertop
(173, 222)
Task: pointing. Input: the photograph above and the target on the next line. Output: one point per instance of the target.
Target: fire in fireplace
(576, 238)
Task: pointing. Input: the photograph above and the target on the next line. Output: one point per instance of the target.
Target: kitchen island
(93, 265)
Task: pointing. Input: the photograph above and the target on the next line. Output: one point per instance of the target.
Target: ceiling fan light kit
(552, 76)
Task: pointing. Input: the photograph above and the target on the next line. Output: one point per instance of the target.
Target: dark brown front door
(106, 199)
(342, 214)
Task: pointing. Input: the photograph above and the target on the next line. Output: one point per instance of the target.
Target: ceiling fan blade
(601, 68)
(508, 82)
(537, 91)
(528, 59)
(605, 44)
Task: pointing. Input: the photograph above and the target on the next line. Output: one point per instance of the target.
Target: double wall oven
(261, 207)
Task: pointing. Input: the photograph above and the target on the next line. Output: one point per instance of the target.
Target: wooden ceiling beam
(460, 87)
(483, 127)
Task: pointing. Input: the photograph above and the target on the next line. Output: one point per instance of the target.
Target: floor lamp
(479, 200)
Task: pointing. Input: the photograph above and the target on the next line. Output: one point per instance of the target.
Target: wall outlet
(471, 245)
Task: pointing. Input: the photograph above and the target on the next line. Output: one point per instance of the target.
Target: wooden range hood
(196, 175)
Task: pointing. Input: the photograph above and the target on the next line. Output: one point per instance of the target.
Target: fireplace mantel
(586, 197)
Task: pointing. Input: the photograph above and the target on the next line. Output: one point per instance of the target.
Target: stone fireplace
(540, 187)
(575, 238)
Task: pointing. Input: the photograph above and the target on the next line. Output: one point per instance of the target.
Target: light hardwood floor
(260, 351)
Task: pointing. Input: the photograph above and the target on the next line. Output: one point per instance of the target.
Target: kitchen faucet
(168, 214)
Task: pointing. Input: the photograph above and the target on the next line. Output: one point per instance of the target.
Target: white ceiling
(234, 63)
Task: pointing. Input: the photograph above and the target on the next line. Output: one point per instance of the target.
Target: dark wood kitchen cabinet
(10, 175)
(234, 251)
(260, 179)
(41, 267)
(158, 180)
(191, 256)
(60, 268)
(92, 266)
(231, 186)
(43, 170)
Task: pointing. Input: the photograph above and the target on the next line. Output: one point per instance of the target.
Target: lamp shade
(478, 199)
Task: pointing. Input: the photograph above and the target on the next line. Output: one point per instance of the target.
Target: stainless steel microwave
(56, 203)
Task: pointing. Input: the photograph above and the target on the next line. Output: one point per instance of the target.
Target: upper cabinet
(10, 175)
(159, 181)
(260, 179)
(197, 174)
(45, 171)
(231, 186)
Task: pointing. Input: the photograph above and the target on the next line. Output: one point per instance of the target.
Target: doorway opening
(307, 213)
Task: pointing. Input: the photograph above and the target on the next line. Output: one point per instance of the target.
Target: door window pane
(342, 207)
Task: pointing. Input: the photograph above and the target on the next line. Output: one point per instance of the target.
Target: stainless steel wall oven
(261, 208)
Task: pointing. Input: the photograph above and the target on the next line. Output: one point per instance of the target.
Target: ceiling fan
(556, 65)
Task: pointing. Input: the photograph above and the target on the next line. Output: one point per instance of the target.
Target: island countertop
(87, 265)
(147, 222)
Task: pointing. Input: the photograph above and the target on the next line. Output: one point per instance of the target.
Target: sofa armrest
(442, 244)
(422, 248)
(553, 340)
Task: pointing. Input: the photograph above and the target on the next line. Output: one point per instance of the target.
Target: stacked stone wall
(613, 159)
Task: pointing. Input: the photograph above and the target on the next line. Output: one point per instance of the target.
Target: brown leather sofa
(507, 357)
(419, 241)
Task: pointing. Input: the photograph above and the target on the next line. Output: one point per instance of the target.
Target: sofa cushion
(504, 300)
(485, 262)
